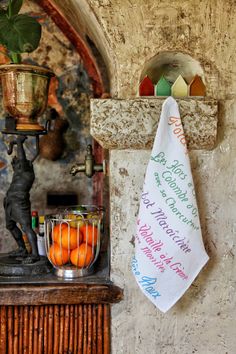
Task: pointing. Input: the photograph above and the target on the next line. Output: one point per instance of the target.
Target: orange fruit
(82, 256)
(90, 234)
(71, 238)
(56, 232)
(59, 255)
(67, 237)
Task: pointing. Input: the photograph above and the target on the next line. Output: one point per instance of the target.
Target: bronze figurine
(17, 203)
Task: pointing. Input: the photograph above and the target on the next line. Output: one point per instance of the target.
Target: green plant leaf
(20, 33)
(2, 24)
(2, 11)
(15, 7)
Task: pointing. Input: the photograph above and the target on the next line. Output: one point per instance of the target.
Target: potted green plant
(25, 87)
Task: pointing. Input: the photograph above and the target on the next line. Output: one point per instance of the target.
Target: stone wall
(69, 95)
(203, 320)
(129, 33)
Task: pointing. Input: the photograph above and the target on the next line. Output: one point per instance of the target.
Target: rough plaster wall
(71, 99)
(81, 16)
(203, 321)
(137, 30)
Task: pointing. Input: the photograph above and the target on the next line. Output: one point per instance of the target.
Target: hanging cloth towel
(169, 251)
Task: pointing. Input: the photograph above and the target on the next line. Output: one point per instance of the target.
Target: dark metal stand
(15, 267)
(18, 210)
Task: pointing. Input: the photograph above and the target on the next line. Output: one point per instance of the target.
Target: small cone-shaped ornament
(163, 87)
(179, 87)
(197, 87)
(146, 87)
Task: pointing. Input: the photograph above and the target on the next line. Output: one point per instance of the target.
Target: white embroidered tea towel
(169, 251)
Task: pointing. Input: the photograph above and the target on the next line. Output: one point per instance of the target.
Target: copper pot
(25, 93)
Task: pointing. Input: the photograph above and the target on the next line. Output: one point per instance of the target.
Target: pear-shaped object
(51, 145)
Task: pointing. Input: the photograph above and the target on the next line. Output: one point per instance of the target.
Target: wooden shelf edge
(60, 294)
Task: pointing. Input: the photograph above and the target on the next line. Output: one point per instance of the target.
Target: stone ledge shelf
(132, 123)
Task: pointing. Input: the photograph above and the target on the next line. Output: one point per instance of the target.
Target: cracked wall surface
(203, 320)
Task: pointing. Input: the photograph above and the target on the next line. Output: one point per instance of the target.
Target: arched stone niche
(171, 65)
(132, 123)
(139, 116)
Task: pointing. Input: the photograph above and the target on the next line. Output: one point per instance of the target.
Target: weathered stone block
(132, 123)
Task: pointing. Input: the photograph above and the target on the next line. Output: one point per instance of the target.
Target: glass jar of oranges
(73, 240)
